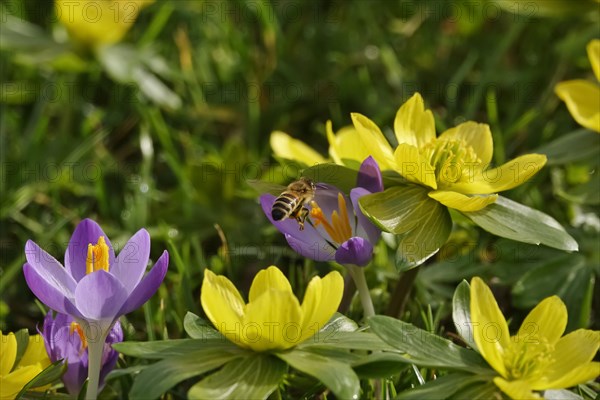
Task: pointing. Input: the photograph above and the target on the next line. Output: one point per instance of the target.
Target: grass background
(77, 143)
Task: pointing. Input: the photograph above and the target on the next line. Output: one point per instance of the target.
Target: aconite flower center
(527, 358)
(452, 160)
(97, 256)
(338, 229)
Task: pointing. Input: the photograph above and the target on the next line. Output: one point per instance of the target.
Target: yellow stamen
(345, 226)
(75, 327)
(97, 256)
(339, 229)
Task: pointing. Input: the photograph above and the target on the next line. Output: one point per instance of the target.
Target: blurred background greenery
(163, 131)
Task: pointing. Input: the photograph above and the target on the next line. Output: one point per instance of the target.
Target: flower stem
(358, 275)
(95, 350)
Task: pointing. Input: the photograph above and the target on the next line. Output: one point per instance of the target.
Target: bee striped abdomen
(284, 205)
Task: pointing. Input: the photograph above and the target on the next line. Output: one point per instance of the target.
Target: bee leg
(301, 217)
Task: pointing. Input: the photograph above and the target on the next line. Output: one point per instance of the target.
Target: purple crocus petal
(327, 199)
(356, 250)
(47, 288)
(49, 268)
(318, 250)
(99, 297)
(147, 286)
(130, 265)
(369, 176)
(86, 232)
(365, 227)
(309, 237)
(77, 361)
(47, 333)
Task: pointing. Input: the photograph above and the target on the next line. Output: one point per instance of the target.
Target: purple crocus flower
(95, 287)
(339, 230)
(64, 339)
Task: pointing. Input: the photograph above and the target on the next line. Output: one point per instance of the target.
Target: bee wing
(265, 187)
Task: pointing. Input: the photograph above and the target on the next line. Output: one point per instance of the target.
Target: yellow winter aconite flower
(14, 377)
(286, 147)
(344, 148)
(454, 165)
(583, 97)
(94, 23)
(537, 357)
(273, 318)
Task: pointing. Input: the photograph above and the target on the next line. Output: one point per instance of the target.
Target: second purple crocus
(339, 231)
(64, 339)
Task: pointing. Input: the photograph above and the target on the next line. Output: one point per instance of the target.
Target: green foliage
(165, 129)
(515, 221)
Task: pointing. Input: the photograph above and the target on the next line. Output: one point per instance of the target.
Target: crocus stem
(358, 274)
(95, 350)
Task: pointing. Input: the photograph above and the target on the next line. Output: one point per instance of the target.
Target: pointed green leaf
(380, 365)
(156, 379)
(461, 313)
(50, 374)
(198, 328)
(253, 377)
(358, 340)
(338, 323)
(479, 391)
(509, 219)
(578, 145)
(424, 348)
(567, 276)
(337, 376)
(22, 338)
(167, 348)
(422, 223)
(126, 65)
(339, 176)
(561, 394)
(440, 388)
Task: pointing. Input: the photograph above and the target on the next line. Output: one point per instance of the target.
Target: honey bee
(290, 203)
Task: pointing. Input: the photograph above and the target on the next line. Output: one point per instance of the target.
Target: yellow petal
(507, 176)
(373, 141)
(284, 146)
(96, 23)
(583, 101)
(12, 384)
(35, 353)
(272, 321)
(413, 124)
(593, 50)
(517, 390)
(345, 147)
(414, 167)
(268, 279)
(321, 300)
(573, 350)
(580, 374)
(462, 202)
(8, 353)
(478, 136)
(546, 322)
(223, 305)
(490, 331)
